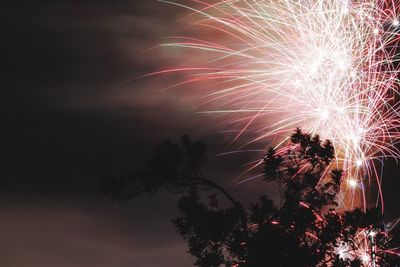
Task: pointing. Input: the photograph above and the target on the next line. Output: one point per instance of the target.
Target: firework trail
(328, 67)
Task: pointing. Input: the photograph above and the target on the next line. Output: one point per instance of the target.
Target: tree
(305, 230)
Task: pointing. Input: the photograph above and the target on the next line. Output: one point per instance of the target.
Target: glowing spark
(365, 258)
(359, 163)
(352, 183)
(324, 114)
(372, 233)
(343, 251)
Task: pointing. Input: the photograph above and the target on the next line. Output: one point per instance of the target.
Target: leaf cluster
(305, 230)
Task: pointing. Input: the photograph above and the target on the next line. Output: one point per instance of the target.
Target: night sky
(73, 108)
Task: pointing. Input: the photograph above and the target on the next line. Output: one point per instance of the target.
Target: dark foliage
(305, 230)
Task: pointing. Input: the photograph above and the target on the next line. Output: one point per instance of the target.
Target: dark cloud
(65, 233)
(70, 111)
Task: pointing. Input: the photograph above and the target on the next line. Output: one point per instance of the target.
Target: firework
(328, 67)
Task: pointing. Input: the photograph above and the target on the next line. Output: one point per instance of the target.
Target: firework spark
(328, 67)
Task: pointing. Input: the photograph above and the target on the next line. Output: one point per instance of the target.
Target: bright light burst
(364, 246)
(328, 67)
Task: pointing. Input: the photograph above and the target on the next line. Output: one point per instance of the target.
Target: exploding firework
(328, 67)
(364, 245)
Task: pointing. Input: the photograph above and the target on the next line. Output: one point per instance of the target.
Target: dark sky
(72, 108)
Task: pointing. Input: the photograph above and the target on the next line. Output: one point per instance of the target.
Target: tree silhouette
(305, 230)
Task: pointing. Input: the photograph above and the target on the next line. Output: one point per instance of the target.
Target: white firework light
(328, 67)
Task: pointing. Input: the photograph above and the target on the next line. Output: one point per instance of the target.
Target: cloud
(43, 234)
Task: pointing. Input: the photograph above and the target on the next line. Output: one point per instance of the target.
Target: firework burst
(328, 67)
